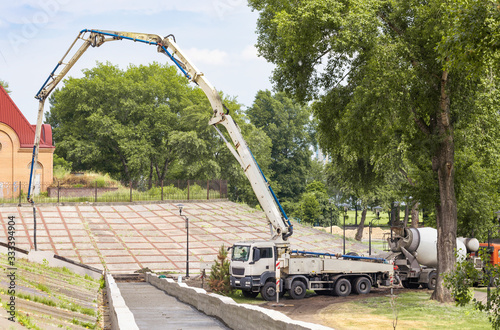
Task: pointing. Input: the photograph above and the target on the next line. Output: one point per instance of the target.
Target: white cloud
(206, 56)
(250, 53)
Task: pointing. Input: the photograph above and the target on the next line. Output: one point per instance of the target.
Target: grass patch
(26, 321)
(87, 325)
(37, 299)
(415, 310)
(63, 303)
(42, 287)
(238, 297)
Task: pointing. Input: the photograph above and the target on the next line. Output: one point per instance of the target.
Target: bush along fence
(15, 192)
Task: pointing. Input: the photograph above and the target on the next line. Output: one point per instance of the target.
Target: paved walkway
(154, 309)
(126, 238)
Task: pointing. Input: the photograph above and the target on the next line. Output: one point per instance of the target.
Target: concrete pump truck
(266, 267)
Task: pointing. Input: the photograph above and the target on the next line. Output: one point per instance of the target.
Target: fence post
(208, 190)
(58, 190)
(20, 193)
(188, 189)
(130, 191)
(95, 199)
(220, 188)
(161, 189)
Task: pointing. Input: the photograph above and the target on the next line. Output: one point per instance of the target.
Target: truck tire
(268, 291)
(297, 290)
(342, 287)
(362, 285)
(249, 294)
(410, 285)
(431, 285)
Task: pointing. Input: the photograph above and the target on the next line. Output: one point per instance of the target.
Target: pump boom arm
(281, 226)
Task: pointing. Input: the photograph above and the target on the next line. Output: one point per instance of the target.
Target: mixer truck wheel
(297, 290)
(410, 285)
(268, 291)
(431, 285)
(249, 294)
(362, 285)
(342, 287)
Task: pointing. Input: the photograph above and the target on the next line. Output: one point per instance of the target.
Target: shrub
(219, 277)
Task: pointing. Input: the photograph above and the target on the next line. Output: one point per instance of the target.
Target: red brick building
(17, 137)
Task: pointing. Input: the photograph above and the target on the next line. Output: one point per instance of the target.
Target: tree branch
(420, 123)
(407, 177)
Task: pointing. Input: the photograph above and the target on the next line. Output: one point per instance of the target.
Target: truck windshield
(240, 253)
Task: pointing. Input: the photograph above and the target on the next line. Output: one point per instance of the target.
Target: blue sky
(217, 35)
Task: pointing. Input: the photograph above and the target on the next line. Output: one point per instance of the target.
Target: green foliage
(102, 283)
(61, 162)
(314, 206)
(309, 208)
(26, 321)
(288, 126)
(461, 280)
(5, 85)
(473, 37)
(61, 167)
(219, 280)
(86, 325)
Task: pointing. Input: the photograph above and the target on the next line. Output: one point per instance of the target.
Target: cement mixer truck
(415, 256)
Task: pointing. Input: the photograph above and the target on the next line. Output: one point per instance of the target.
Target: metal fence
(15, 192)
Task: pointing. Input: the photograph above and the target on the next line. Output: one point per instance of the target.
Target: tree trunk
(446, 210)
(150, 178)
(414, 215)
(359, 233)
(397, 215)
(407, 215)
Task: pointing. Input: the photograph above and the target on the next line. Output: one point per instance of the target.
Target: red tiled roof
(13, 117)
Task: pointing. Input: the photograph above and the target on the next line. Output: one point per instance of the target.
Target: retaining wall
(236, 316)
(120, 315)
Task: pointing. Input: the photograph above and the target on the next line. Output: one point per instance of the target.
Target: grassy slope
(51, 297)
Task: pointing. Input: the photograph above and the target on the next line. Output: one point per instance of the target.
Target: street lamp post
(370, 239)
(180, 206)
(345, 216)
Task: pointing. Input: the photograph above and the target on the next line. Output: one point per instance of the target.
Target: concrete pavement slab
(99, 233)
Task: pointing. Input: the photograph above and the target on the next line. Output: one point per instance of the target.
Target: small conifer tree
(219, 277)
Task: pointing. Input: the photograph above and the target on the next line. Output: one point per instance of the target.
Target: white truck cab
(252, 265)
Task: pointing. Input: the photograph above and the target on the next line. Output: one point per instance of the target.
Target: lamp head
(180, 206)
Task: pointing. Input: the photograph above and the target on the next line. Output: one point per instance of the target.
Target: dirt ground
(377, 233)
(318, 309)
(322, 309)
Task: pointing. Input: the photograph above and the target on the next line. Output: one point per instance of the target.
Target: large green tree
(122, 122)
(148, 123)
(288, 126)
(374, 71)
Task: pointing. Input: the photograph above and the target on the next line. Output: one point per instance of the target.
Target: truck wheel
(249, 294)
(410, 285)
(431, 285)
(362, 285)
(268, 291)
(297, 290)
(342, 287)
